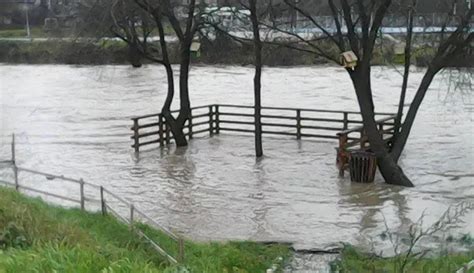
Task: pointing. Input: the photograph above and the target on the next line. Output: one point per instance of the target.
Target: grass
(37, 237)
(36, 32)
(354, 261)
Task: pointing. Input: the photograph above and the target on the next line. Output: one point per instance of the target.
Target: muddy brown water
(74, 120)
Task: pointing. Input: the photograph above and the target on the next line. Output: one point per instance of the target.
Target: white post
(28, 32)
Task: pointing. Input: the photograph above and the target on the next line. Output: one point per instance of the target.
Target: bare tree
(154, 16)
(257, 11)
(356, 28)
(257, 78)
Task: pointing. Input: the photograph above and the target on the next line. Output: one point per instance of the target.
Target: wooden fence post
(362, 138)
(298, 124)
(160, 129)
(180, 250)
(15, 168)
(102, 201)
(190, 124)
(218, 123)
(345, 121)
(83, 199)
(211, 129)
(342, 156)
(167, 132)
(136, 140)
(132, 211)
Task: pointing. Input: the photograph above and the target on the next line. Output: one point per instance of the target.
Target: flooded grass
(37, 237)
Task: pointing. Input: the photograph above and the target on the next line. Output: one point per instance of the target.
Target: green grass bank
(37, 237)
(355, 261)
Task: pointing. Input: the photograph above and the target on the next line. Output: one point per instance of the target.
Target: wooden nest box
(196, 49)
(349, 59)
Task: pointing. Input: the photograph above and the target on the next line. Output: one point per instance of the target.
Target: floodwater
(74, 120)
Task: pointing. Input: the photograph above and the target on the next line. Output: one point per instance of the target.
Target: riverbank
(101, 52)
(37, 237)
(70, 51)
(354, 261)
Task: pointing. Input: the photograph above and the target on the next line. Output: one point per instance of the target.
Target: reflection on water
(75, 121)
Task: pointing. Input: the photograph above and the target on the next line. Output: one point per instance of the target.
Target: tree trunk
(257, 79)
(177, 125)
(134, 56)
(406, 73)
(401, 140)
(391, 172)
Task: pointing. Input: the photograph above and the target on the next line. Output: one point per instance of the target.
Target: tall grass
(354, 261)
(37, 237)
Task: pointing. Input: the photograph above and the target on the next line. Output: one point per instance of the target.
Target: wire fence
(106, 201)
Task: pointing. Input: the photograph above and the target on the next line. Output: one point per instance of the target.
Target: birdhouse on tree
(349, 59)
(196, 49)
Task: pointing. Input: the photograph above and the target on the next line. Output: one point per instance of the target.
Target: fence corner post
(102, 202)
(83, 199)
(180, 250)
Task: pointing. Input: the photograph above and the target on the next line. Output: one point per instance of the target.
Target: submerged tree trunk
(257, 78)
(401, 140)
(391, 172)
(176, 130)
(176, 127)
(134, 56)
(185, 106)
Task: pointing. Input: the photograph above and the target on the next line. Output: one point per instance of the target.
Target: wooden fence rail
(106, 206)
(213, 119)
(345, 126)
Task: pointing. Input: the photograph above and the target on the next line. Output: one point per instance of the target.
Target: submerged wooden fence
(356, 139)
(346, 126)
(105, 203)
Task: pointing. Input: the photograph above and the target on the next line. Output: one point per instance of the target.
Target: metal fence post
(102, 201)
(15, 168)
(180, 250)
(83, 199)
(298, 124)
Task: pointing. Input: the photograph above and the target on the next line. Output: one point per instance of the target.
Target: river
(74, 120)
